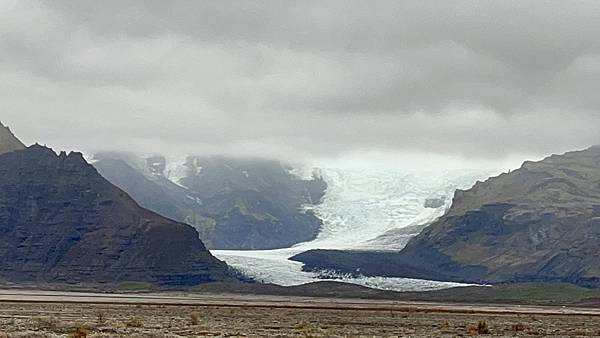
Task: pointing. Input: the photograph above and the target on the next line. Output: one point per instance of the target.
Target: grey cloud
(313, 78)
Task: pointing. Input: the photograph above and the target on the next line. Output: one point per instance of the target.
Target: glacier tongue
(365, 210)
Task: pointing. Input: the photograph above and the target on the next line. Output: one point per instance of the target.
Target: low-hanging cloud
(302, 78)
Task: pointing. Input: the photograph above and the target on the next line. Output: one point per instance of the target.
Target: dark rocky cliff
(540, 223)
(60, 221)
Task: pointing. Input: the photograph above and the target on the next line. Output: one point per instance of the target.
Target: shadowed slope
(60, 221)
(233, 203)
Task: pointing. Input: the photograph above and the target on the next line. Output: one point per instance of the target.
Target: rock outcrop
(233, 203)
(61, 222)
(539, 223)
(8, 141)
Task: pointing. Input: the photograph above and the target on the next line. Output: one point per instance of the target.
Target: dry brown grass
(29, 334)
(47, 323)
(134, 322)
(22, 321)
(80, 332)
(519, 327)
(100, 317)
(195, 318)
(480, 328)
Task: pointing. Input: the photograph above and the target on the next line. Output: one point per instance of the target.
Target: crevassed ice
(358, 208)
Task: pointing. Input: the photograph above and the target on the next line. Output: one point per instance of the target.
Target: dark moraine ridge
(61, 222)
(539, 223)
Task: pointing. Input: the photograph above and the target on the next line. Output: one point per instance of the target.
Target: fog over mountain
(303, 80)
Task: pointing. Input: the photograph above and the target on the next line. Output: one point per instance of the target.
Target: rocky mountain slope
(61, 222)
(8, 141)
(233, 203)
(539, 223)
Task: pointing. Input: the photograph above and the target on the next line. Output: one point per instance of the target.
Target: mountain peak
(62, 222)
(8, 141)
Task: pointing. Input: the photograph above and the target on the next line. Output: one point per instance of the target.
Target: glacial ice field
(362, 209)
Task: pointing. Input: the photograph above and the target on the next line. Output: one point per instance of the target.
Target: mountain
(539, 223)
(61, 222)
(8, 141)
(233, 203)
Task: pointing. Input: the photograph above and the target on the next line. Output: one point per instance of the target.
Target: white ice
(360, 206)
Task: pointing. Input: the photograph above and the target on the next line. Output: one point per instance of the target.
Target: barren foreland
(39, 313)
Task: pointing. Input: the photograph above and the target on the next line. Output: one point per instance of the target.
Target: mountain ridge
(233, 203)
(539, 223)
(61, 221)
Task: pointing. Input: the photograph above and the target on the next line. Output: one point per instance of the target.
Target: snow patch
(175, 171)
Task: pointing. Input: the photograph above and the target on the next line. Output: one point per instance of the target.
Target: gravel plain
(25, 314)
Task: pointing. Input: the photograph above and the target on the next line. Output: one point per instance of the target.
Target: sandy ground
(63, 314)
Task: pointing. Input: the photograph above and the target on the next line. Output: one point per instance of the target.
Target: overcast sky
(304, 79)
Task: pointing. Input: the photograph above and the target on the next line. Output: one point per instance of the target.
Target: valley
(244, 205)
(362, 210)
(338, 168)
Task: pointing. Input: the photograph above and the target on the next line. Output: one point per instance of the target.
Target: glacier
(367, 209)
